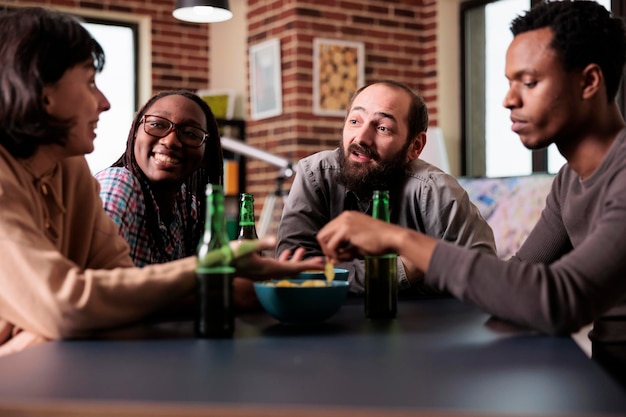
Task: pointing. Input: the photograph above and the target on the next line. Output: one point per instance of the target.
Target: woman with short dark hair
(65, 271)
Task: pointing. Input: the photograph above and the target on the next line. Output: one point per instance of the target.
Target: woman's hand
(245, 295)
(250, 264)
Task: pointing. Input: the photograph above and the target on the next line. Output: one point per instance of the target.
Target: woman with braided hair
(155, 191)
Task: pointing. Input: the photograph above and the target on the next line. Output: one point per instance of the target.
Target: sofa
(511, 206)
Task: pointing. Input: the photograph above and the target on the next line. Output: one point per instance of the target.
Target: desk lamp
(286, 171)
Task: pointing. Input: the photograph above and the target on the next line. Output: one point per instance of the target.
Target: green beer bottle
(247, 226)
(381, 282)
(214, 309)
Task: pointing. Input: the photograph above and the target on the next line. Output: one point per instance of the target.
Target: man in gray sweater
(384, 133)
(564, 67)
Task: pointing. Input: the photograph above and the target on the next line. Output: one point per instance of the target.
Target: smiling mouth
(166, 159)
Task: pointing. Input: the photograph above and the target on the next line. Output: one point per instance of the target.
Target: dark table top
(438, 355)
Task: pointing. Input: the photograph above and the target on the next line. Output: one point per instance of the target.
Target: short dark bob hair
(38, 46)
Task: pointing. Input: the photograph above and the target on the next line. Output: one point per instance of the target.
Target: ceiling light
(199, 11)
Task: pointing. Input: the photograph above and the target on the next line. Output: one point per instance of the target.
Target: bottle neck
(380, 206)
(380, 211)
(215, 230)
(247, 227)
(246, 214)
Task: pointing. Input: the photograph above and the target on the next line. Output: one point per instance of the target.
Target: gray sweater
(428, 200)
(570, 271)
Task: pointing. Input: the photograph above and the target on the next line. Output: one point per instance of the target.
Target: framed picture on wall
(266, 96)
(338, 71)
(221, 101)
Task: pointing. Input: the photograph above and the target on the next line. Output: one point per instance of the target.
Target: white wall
(228, 55)
(448, 81)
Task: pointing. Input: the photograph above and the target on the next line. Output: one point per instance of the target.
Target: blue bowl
(340, 274)
(301, 305)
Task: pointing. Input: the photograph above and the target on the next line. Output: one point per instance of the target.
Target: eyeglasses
(159, 127)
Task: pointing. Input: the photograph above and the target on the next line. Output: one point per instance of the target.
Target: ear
(416, 147)
(47, 98)
(592, 81)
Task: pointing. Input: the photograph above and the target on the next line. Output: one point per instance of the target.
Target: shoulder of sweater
(320, 160)
(76, 170)
(425, 172)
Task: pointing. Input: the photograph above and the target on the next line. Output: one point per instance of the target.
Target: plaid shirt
(123, 200)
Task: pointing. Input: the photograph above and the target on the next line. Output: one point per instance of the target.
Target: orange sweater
(65, 271)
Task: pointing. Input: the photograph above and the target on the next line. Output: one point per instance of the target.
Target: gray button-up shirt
(428, 200)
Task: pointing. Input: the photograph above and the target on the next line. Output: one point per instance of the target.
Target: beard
(363, 178)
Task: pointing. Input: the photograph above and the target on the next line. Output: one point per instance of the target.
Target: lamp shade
(202, 11)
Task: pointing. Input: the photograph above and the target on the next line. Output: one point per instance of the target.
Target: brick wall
(400, 43)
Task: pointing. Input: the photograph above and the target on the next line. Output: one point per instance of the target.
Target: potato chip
(305, 283)
(313, 283)
(329, 271)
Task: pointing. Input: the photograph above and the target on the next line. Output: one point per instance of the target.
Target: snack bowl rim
(333, 283)
(320, 272)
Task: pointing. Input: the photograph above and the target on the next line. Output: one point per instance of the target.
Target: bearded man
(383, 135)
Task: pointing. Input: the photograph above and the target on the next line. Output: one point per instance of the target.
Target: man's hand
(352, 234)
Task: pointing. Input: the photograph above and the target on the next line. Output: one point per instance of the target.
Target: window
(118, 82)
(490, 148)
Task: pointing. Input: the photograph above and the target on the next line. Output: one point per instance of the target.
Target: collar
(44, 168)
(42, 164)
